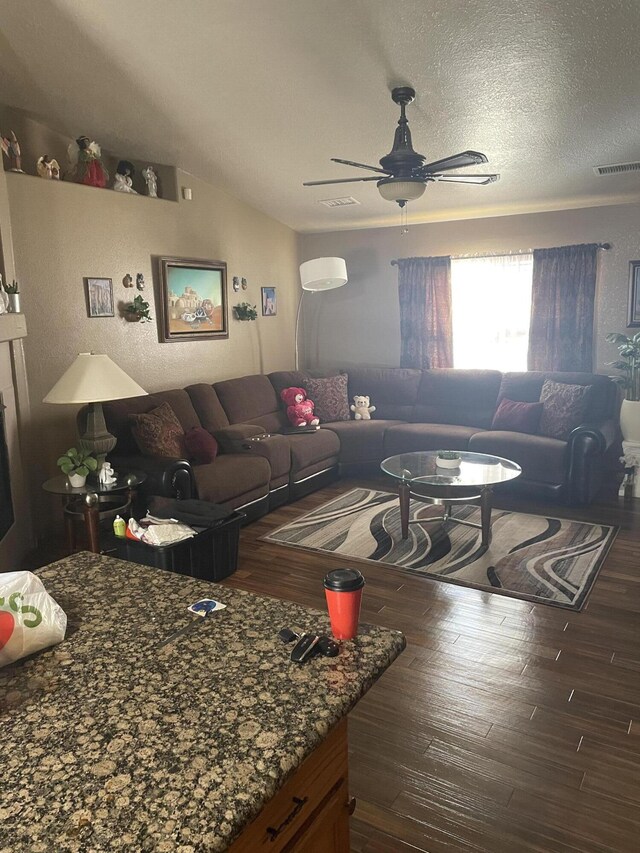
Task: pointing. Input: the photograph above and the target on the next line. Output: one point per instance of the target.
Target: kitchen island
(112, 741)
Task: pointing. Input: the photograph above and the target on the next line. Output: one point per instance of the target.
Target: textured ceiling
(257, 95)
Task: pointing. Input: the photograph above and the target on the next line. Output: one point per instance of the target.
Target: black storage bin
(211, 554)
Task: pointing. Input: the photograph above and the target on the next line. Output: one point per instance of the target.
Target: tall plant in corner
(629, 379)
(628, 365)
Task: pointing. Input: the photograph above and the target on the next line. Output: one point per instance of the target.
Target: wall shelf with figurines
(84, 163)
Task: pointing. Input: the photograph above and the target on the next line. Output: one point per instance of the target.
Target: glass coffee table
(419, 477)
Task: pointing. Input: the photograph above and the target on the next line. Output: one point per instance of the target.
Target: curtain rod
(604, 246)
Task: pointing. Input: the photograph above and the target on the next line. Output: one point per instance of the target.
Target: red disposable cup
(343, 589)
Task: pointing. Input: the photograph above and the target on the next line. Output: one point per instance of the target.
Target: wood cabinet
(310, 813)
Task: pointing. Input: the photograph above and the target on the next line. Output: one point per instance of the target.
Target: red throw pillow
(514, 416)
(200, 445)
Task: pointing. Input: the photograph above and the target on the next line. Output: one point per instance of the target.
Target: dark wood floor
(505, 726)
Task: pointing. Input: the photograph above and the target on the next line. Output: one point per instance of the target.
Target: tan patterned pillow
(563, 408)
(330, 396)
(158, 432)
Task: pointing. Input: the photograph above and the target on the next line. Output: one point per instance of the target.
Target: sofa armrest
(589, 445)
(171, 478)
(595, 437)
(230, 438)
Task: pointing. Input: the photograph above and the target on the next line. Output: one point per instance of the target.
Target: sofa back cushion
(600, 402)
(182, 406)
(251, 400)
(281, 379)
(392, 390)
(208, 407)
(451, 396)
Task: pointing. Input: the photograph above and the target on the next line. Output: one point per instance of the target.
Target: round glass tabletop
(60, 485)
(475, 470)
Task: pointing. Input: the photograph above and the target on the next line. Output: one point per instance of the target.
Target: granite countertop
(110, 743)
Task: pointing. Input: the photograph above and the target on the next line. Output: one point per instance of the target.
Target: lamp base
(94, 436)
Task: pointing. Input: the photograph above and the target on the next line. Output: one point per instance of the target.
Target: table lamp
(316, 275)
(94, 378)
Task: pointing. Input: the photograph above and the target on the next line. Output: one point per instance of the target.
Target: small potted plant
(448, 459)
(629, 381)
(77, 464)
(137, 311)
(13, 294)
(245, 311)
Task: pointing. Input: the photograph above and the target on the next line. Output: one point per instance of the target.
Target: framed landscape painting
(192, 300)
(99, 292)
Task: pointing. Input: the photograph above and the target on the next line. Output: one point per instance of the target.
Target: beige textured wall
(359, 323)
(63, 232)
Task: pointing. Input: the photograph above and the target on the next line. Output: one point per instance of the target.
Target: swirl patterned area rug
(533, 557)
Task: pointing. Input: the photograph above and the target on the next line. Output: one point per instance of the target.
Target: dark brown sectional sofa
(415, 410)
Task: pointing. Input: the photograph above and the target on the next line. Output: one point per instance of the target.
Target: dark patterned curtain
(426, 332)
(562, 305)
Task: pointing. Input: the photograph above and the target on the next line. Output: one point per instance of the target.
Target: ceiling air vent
(617, 168)
(339, 202)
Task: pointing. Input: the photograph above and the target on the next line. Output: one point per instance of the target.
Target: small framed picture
(634, 294)
(99, 293)
(269, 303)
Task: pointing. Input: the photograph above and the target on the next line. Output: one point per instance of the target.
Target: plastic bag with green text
(30, 619)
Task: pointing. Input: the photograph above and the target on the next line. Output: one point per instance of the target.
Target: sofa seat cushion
(542, 459)
(231, 476)
(361, 441)
(408, 438)
(276, 450)
(313, 450)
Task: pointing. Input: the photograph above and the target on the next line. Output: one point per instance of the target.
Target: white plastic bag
(30, 619)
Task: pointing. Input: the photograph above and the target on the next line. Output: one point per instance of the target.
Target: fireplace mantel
(13, 327)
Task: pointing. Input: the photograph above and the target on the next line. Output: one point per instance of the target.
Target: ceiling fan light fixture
(401, 190)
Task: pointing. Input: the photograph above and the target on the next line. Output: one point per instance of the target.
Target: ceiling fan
(405, 174)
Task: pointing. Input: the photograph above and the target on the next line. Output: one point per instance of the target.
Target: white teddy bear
(362, 410)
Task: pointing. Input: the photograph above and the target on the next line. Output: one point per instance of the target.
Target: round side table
(93, 503)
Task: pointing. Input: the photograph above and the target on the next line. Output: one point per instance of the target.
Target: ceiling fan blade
(456, 161)
(466, 179)
(337, 181)
(361, 166)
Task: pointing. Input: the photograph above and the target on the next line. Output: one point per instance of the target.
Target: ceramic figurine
(149, 174)
(47, 168)
(107, 475)
(140, 281)
(127, 280)
(11, 150)
(85, 160)
(124, 177)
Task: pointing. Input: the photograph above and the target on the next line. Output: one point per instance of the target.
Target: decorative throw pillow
(514, 416)
(158, 432)
(200, 445)
(330, 397)
(563, 408)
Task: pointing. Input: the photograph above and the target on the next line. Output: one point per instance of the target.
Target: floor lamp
(316, 275)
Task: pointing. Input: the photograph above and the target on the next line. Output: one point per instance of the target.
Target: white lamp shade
(323, 274)
(391, 190)
(93, 378)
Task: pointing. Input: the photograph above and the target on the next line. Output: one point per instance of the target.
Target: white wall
(359, 323)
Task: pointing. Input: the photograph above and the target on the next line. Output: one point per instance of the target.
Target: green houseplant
(448, 459)
(77, 464)
(13, 293)
(137, 311)
(629, 380)
(245, 311)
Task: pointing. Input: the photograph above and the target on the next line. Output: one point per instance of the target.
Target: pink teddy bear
(299, 409)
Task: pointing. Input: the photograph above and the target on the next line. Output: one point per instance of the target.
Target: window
(491, 306)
